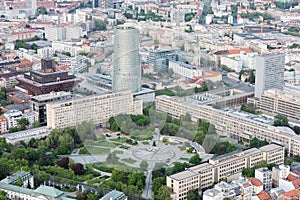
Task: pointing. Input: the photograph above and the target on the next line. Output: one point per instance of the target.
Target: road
(147, 192)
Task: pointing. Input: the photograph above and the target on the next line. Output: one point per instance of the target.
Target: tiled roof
(255, 182)
(263, 195)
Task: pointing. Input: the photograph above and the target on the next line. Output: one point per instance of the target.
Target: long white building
(204, 175)
(231, 124)
(98, 108)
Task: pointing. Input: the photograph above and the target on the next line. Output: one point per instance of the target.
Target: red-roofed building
(24, 66)
(257, 185)
(238, 51)
(290, 195)
(263, 195)
(296, 183)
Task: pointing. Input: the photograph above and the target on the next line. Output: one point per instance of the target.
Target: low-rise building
(205, 174)
(279, 172)
(265, 176)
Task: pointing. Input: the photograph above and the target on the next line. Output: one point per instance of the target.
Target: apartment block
(265, 176)
(282, 102)
(55, 33)
(98, 108)
(231, 124)
(280, 172)
(206, 174)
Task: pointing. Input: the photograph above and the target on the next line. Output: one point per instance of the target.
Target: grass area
(129, 160)
(101, 143)
(145, 142)
(124, 147)
(184, 159)
(121, 140)
(97, 150)
(101, 137)
(182, 148)
(158, 166)
(118, 152)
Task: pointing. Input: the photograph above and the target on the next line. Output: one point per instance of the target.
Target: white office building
(269, 72)
(265, 176)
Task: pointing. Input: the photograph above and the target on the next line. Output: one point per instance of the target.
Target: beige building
(206, 174)
(231, 124)
(284, 102)
(97, 108)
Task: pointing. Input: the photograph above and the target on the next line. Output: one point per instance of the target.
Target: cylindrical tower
(126, 60)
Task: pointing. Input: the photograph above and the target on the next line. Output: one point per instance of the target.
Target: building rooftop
(51, 95)
(11, 179)
(114, 195)
(183, 175)
(49, 191)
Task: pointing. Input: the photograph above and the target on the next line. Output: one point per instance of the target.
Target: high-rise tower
(269, 72)
(127, 71)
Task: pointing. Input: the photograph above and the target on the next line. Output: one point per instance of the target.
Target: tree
(19, 182)
(157, 183)
(78, 168)
(164, 193)
(3, 171)
(193, 195)
(281, 120)
(248, 172)
(23, 122)
(36, 124)
(251, 77)
(64, 163)
(195, 159)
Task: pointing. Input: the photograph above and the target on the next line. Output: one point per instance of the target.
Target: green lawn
(101, 143)
(121, 140)
(145, 142)
(129, 160)
(124, 147)
(97, 150)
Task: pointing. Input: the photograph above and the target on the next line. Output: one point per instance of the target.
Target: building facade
(265, 176)
(206, 174)
(269, 72)
(97, 108)
(127, 70)
(282, 102)
(230, 124)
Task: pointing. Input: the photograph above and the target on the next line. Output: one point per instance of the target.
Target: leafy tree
(23, 122)
(257, 143)
(248, 172)
(36, 124)
(64, 162)
(78, 168)
(251, 77)
(3, 171)
(157, 183)
(281, 120)
(19, 182)
(195, 159)
(99, 25)
(164, 193)
(193, 195)
(3, 195)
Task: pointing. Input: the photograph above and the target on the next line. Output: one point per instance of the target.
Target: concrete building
(160, 59)
(127, 70)
(232, 124)
(32, 5)
(97, 108)
(279, 172)
(3, 124)
(70, 47)
(74, 32)
(205, 174)
(265, 176)
(12, 118)
(38, 103)
(55, 33)
(269, 72)
(284, 102)
(185, 70)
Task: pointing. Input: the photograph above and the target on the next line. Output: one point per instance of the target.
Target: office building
(280, 172)
(55, 33)
(239, 126)
(97, 108)
(38, 103)
(127, 70)
(160, 59)
(269, 72)
(47, 79)
(284, 102)
(265, 176)
(206, 174)
(185, 70)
